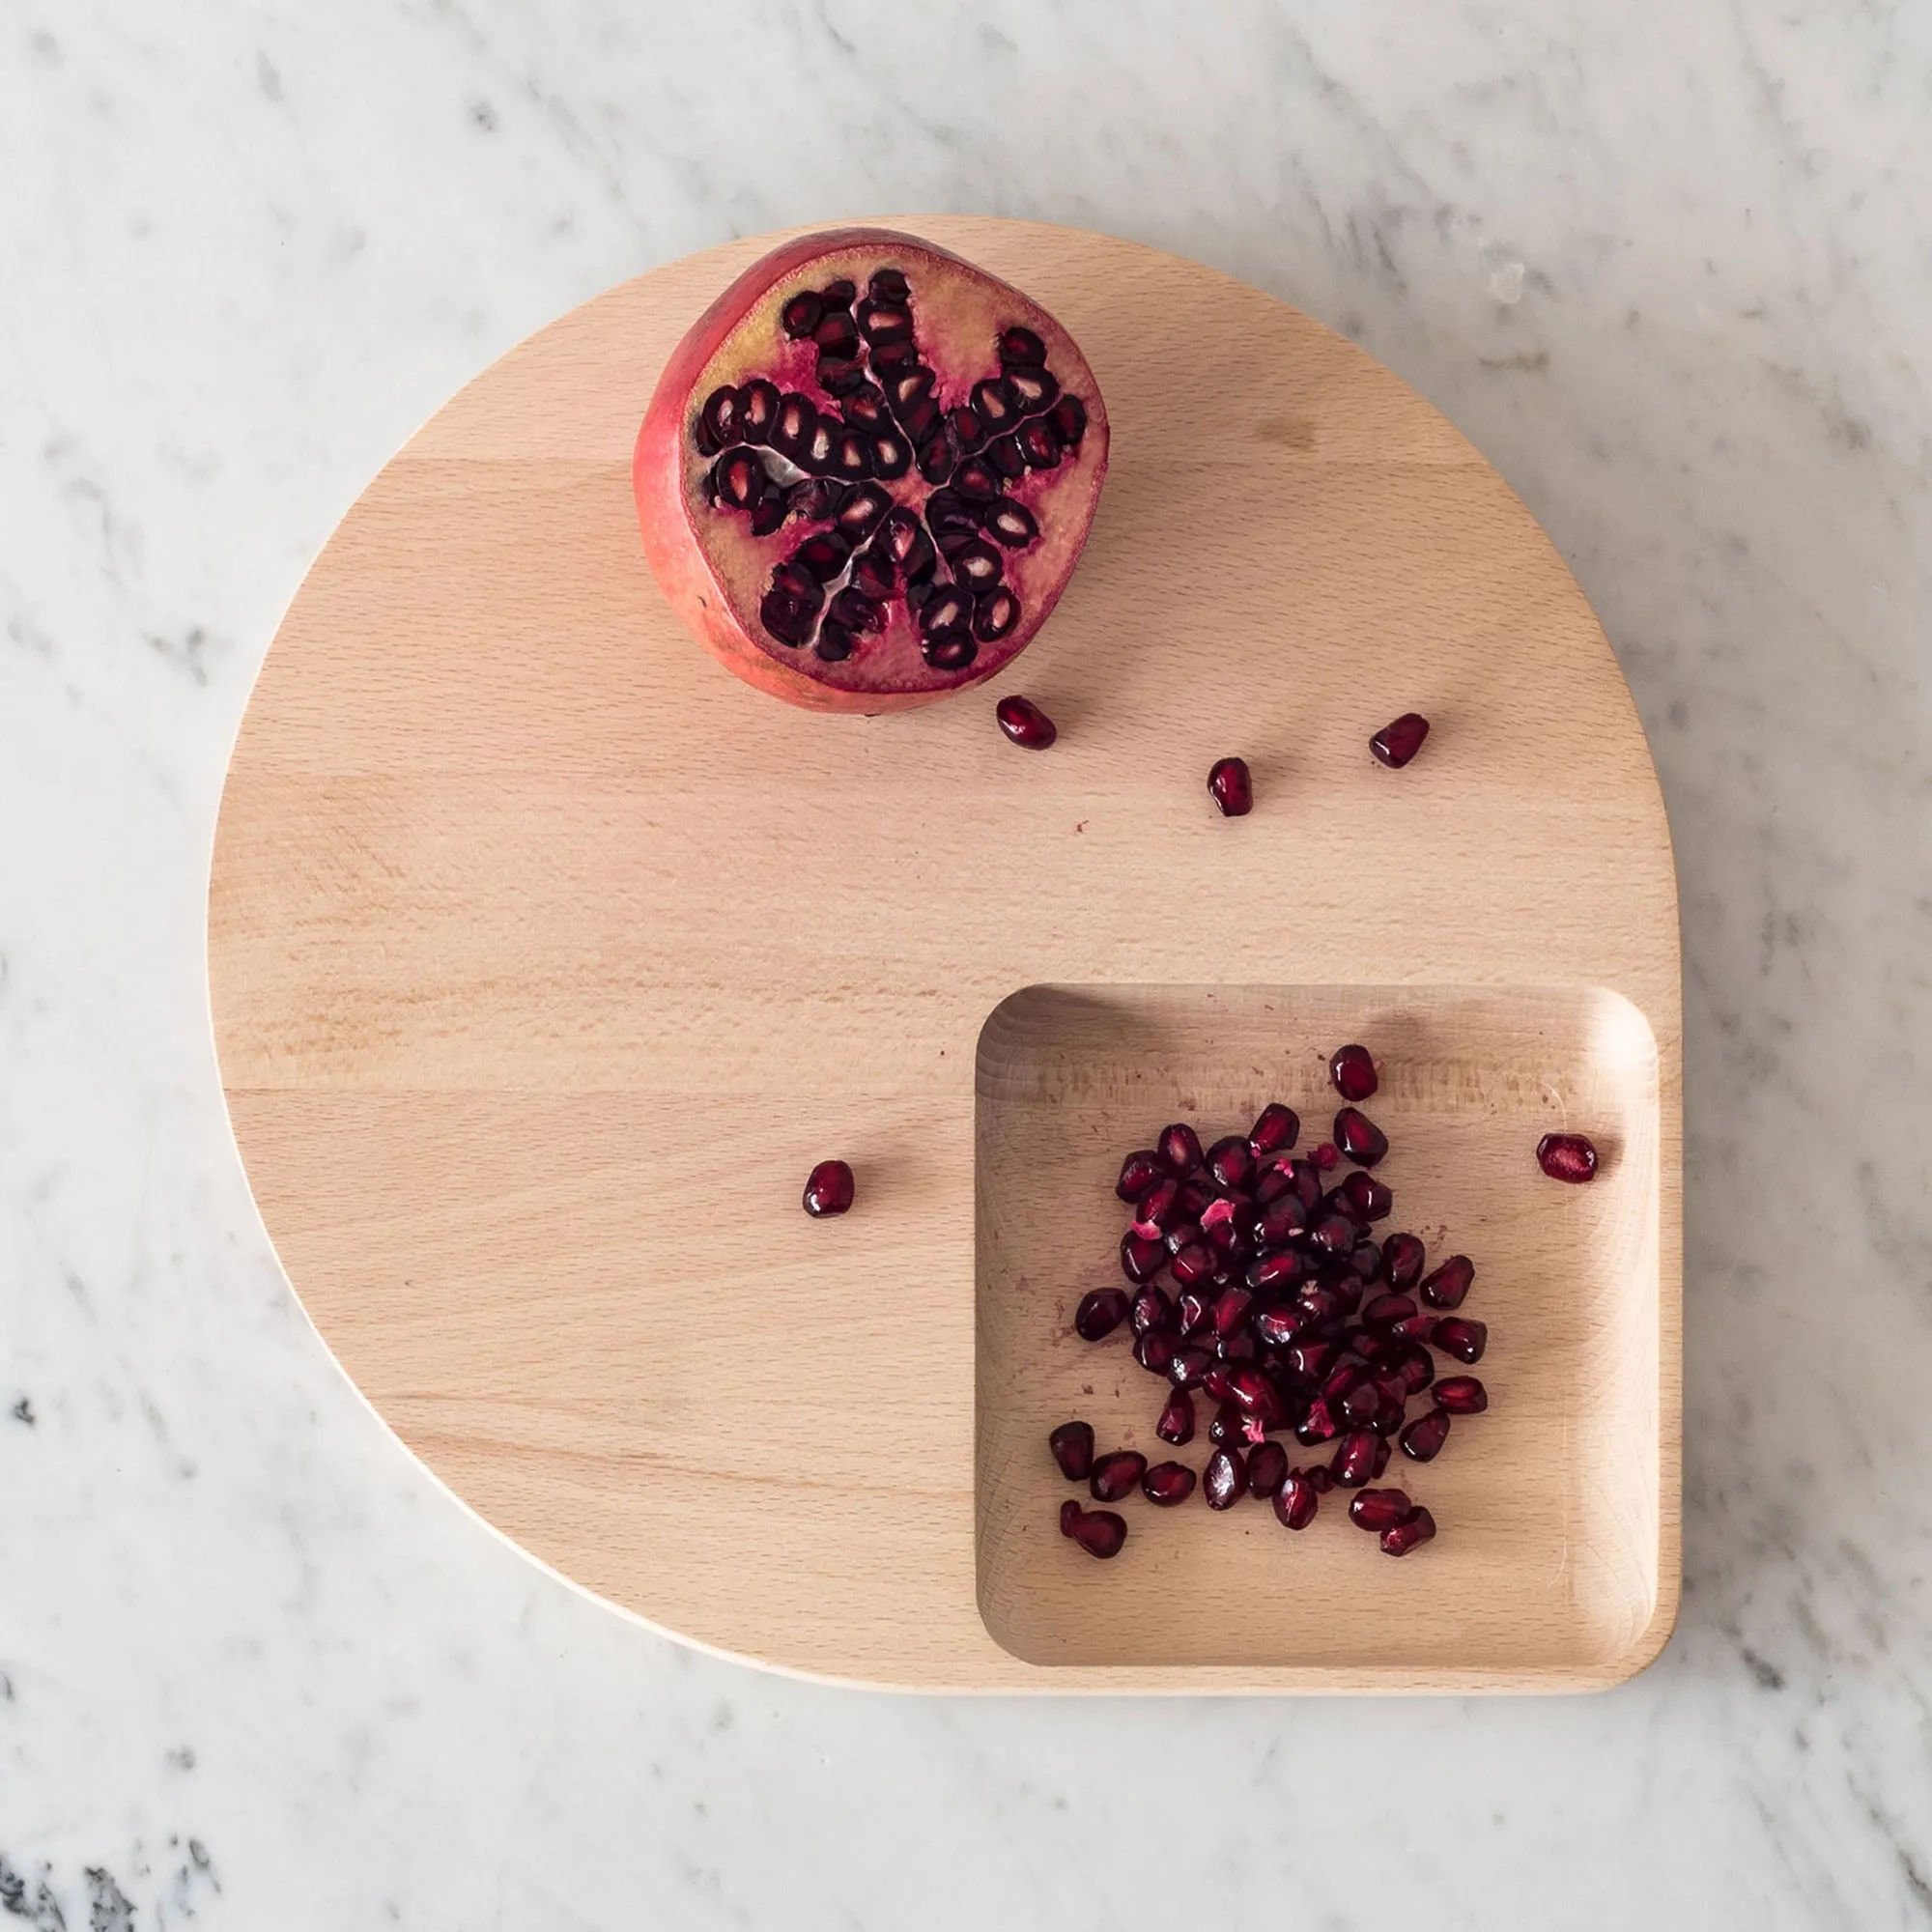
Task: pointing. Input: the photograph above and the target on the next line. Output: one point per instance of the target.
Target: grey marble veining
(1668, 263)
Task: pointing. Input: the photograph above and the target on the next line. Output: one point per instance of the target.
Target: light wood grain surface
(546, 959)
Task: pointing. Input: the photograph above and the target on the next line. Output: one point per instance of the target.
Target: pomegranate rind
(713, 572)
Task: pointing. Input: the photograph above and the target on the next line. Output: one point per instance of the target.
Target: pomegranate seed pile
(1288, 1315)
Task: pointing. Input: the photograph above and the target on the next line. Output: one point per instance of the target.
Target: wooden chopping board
(546, 959)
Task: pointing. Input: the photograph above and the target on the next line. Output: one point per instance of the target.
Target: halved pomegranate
(867, 471)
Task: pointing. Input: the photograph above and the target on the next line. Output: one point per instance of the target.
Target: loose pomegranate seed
(1326, 1157)
(1193, 1312)
(1415, 1369)
(1168, 1484)
(1276, 1327)
(1190, 1366)
(1226, 1477)
(1387, 1310)
(1461, 1394)
(1354, 1459)
(1275, 1129)
(1100, 1313)
(1567, 1157)
(1397, 743)
(1098, 1532)
(1308, 1359)
(1151, 1309)
(1424, 1437)
(1334, 1235)
(828, 1188)
(1176, 1419)
(1230, 1310)
(1267, 1469)
(1255, 1394)
(1403, 1257)
(1180, 1149)
(1072, 1446)
(1296, 1499)
(1378, 1509)
(1231, 786)
(1229, 1425)
(1114, 1475)
(1353, 1073)
(1020, 718)
(1359, 1138)
(1273, 1272)
(1232, 1161)
(1414, 1529)
(1464, 1340)
(1416, 1327)
(1141, 1259)
(1196, 1197)
(1359, 1405)
(1450, 1283)
(1155, 1209)
(1138, 1173)
(1194, 1265)
(1367, 1197)
(1155, 1351)
(1317, 1478)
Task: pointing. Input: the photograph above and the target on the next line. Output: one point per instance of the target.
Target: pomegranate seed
(1226, 1477)
(1333, 1233)
(1378, 1509)
(1417, 1370)
(1276, 1271)
(1397, 743)
(1232, 788)
(1388, 1418)
(1318, 1479)
(1359, 1138)
(1318, 1424)
(1277, 1327)
(1387, 1310)
(1280, 1222)
(1461, 1394)
(1367, 1197)
(1188, 1366)
(1021, 718)
(1100, 1313)
(1319, 1304)
(1229, 1425)
(1072, 1446)
(1183, 1235)
(1155, 1209)
(1239, 1347)
(1232, 1161)
(1231, 1308)
(1255, 1394)
(1155, 1351)
(1180, 1149)
(1308, 1359)
(1354, 1461)
(1196, 1197)
(1326, 1157)
(1141, 1259)
(1193, 1312)
(1464, 1340)
(1098, 1532)
(1567, 1157)
(1138, 1173)
(1176, 1419)
(1401, 1262)
(1296, 1499)
(1365, 1260)
(1267, 1469)
(1359, 1405)
(1424, 1437)
(1151, 1309)
(1194, 1265)
(1416, 1529)
(1168, 1484)
(1414, 1328)
(1275, 1129)
(1450, 1283)
(1114, 1475)
(828, 1188)
(1353, 1073)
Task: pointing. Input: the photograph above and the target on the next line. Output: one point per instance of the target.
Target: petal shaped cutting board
(546, 959)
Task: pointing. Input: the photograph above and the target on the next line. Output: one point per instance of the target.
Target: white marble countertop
(1668, 263)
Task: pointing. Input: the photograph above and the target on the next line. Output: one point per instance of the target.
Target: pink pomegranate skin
(717, 614)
